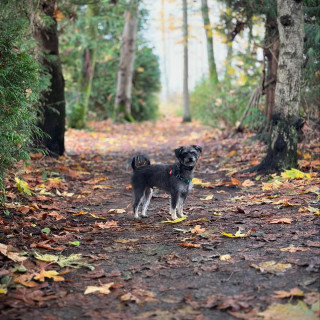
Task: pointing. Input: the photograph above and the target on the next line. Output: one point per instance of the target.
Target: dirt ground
(248, 249)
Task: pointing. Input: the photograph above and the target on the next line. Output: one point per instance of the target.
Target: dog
(173, 178)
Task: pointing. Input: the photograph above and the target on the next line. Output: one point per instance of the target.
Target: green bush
(221, 108)
(19, 87)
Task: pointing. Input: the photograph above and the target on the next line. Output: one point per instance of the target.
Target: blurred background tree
(108, 22)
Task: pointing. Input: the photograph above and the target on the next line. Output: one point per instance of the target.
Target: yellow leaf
(196, 181)
(272, 267)
(140, 69)
(3, 290)
(51, 274)
(23, 186)
(294, 174)
(79, 213)
(105, 289)
(174, 221)
(276, 184)
(225, 257)
(210, 197)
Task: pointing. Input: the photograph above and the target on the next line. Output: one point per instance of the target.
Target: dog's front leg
(180, 207)
(173, 210)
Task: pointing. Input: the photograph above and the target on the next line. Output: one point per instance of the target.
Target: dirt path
(150, 268)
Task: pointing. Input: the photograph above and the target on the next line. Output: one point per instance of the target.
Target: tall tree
(271, 53)
(127, 56)
(53, 101)
(282, 149)
(209, 35)
(79, 112)
(186, 98)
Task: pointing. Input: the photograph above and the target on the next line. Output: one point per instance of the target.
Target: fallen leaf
(281, 220)
(117, 211)
(51, 274)
(198, 229)
(272, 267)
(14, 256)
(294, 249)
(289, 311)
(107, 225)
(210, 197)
(174, 221)
(189, 245)
(23, 186)
(247, 183)
(225, 257)
(105, 289)
(295, 292)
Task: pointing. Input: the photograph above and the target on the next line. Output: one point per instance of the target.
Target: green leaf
(46, 230)
(75, 243)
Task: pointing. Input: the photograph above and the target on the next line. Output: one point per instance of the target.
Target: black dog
(173, 178)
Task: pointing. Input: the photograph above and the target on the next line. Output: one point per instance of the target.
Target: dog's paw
(143, 216)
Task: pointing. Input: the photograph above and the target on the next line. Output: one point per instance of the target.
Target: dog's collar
(177, 175)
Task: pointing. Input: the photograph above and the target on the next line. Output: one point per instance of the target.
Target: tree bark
(127, 56)
(80, 109)
(53, 100)
(186, 97)
(209, 36)
(282, 149)
(271, 53)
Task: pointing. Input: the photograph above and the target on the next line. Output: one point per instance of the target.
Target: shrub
(19, 88)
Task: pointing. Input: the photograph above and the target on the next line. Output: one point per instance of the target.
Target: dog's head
(188, 155)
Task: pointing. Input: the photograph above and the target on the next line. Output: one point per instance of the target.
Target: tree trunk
(53, 101)
(80, 109)
(282, 151)
(271, 53)
(186, 98)
(164, 51)
(209, 35)
(127, 56)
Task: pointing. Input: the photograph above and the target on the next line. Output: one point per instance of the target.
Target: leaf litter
(196, 268)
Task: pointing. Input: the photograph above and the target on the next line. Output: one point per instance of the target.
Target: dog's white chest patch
(190, 186)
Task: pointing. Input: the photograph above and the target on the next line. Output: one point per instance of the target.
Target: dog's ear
(178, 152)
(198, 148)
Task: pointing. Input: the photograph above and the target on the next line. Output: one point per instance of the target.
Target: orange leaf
(281, 220)
(189, 245)
(198, 229)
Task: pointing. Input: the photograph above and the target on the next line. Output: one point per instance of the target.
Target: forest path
(151, 268)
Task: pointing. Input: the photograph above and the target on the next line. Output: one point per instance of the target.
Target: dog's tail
(139, 161)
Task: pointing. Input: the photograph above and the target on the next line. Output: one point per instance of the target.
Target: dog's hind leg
(146, 200)
(138, 198)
